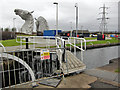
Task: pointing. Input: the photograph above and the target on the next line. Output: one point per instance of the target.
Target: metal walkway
(73, 64)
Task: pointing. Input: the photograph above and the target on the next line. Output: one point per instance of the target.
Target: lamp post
(56, 17)
(71, 28)
(76, 5)
(14, 22)
(14, 25)
(82, 29)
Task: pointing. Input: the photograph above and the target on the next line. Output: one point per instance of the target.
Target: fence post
(63, 56)
(27, 47)
(74, 47)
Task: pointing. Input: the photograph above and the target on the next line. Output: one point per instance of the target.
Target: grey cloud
(88, 13)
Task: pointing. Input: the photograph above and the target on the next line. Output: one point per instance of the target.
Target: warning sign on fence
(45, 54)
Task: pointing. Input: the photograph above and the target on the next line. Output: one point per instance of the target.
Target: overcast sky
(88, 13)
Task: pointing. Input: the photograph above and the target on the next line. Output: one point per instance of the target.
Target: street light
(56, 17)
(14, 25)
(14, 22)
(71, 28)
(81, 29)
(76, 5)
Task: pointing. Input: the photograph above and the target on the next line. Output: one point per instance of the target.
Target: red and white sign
(45, 54)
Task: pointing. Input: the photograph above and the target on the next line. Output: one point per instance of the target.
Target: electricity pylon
(103, 24)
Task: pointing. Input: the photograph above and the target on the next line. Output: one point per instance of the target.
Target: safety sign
(45, 54)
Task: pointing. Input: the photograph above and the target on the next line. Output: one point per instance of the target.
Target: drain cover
(54, 82)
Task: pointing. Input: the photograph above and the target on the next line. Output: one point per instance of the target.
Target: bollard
(27, 46)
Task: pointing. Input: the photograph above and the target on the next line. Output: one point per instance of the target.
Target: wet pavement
(103, 74)
(100, 84)
(106, 75)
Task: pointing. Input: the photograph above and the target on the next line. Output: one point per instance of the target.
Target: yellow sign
(45, 54)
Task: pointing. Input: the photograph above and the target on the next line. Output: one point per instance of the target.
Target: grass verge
(117, 70)
(111, 41)
(12, 42)
(90, 38)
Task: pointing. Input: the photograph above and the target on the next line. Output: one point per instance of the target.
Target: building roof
(81, 31)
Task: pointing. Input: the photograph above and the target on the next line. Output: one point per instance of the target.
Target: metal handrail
(32, 37)
(56, 38)
(24, 55)
(21, 62)
(74, 45)
(59, 43)
(79, 39)
(3, 47)
(62, 40)
(11, 56)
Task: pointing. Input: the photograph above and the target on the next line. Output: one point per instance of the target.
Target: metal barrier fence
(19, 67)
(25, 65)
(3, 47)
(76, 42)
(37, 41)
(50, 41)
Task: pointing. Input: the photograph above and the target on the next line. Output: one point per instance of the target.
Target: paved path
(112, 67)
(75, 81)
(103, 84)
(103, 74)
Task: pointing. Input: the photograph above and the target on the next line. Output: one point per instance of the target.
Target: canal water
(99, 57)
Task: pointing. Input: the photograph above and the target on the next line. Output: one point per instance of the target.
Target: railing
(73, 41)
(25, 65)
(49, 41)
(3, 47)
(19, 67)
(45, 41)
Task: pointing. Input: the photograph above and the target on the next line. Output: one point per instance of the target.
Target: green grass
(90, 38)
(12, 42)
(117, 70)
(113, 40)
